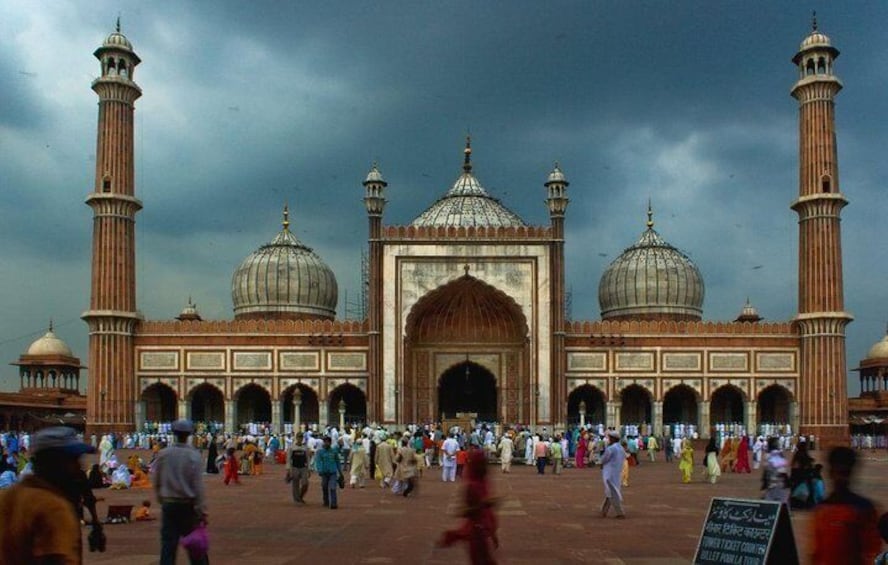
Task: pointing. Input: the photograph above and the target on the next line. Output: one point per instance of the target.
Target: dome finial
(50, 324)
(813, 20)
(118, 23)
(286, 222)
(467, 162)
(650, 222)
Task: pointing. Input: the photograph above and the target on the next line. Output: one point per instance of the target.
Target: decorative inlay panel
(191, 384)
(314, 384)
(351, 361)
(238, 384)
(775, 362)
(159, 360)
(205, 360)
(729, 362)
(300, 361)
(696, 384)
(252, 360)
(172, 382)
(682, 361)
(636, 361)
(587, 361)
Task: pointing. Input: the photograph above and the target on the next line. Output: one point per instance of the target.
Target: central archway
(467, 387)
(466, 318)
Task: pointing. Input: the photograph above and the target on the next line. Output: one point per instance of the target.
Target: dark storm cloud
(248, 106)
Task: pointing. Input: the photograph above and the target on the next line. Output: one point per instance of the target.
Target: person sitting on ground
(143, 513)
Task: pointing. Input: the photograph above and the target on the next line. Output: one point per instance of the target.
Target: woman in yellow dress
(686, 465)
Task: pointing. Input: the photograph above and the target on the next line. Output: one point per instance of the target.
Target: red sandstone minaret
(374, 200)
(557, 200)
(822, 318)
(112, 311)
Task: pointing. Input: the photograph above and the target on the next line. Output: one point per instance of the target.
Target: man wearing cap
(611, 469)
(39, 521)
(178, 483)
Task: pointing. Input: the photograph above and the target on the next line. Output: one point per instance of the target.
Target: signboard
(747, 532)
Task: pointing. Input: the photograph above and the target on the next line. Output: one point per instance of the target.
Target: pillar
(139, 415)
(657, 414)
(751, 417)
(613, 415)
(795, 417)
(229, 416)
(323, 413)
(183, 410)
(276, 426)
(297, 416)
(703, 424)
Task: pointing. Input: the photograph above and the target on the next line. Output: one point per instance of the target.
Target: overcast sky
(248, 105)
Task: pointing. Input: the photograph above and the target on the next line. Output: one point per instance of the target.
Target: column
(139, 415)
(658, 418)
(183, 410)
(276, 426)
(229, 416)
(613, 415)
(794, 416)
(322, 413)
(751, 417)
(297, 416)
(703, 424)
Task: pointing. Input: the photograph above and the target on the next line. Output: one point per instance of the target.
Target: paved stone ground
(549, 519)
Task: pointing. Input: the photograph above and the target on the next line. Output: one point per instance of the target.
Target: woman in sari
(686, 463)
(726, 457)
(742, 465)
(581, 451)
(713, 467)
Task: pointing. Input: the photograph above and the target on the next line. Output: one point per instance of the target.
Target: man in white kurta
(505, 448)
(611, 469)
(448, 463)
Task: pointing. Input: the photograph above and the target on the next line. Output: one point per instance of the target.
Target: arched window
(106, 184)
(826, 184)
(122, 68)
(809, 67)
(112, 67)
(821, 66)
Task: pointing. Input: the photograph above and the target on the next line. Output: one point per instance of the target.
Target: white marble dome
(651, 280)
(284, 279)
(49, 344)
(879, 350)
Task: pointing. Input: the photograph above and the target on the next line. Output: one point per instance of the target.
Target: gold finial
(650, 222)
(467, 162)
(813, 20)
(286, 222)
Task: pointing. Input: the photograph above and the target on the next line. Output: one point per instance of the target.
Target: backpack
(299, 458)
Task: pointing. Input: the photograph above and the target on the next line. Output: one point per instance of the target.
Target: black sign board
(747, 532)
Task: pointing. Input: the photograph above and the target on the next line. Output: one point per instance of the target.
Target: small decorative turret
(189, 312)
(749, 314)
(557, 192)
(374, 192)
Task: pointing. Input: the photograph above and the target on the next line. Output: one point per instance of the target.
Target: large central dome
(651, 280)
(467, 204)
(284, 279)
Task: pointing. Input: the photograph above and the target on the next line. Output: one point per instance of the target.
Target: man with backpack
(298, 468)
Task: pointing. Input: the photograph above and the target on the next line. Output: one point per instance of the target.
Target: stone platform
(543, 519)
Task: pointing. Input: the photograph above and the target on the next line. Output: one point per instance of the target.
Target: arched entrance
(308, 408)
(726, 408)
(466, 324)
(773, 407)
(467, 387)
(253, 405)
(635, 406)
(355, 405)
(160, 403)
(595, 405)
(680, 410)
(207, 405)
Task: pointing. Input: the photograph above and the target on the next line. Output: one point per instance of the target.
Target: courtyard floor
(543, 519)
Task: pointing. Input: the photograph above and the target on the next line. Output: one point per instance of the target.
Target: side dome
(284, 279)
(651, 280)
(879, 350)
(467, 204)
(49, 344)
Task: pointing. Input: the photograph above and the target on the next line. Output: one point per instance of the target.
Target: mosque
(466, 312)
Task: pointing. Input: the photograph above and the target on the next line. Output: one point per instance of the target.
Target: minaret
(112, 313)
(556, 187)
(374, 200)
(823, 396)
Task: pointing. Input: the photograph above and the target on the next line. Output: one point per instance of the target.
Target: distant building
(869, 411)
(466, 312)
(49, 393)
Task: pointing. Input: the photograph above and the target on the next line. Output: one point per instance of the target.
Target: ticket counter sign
(747, 532)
